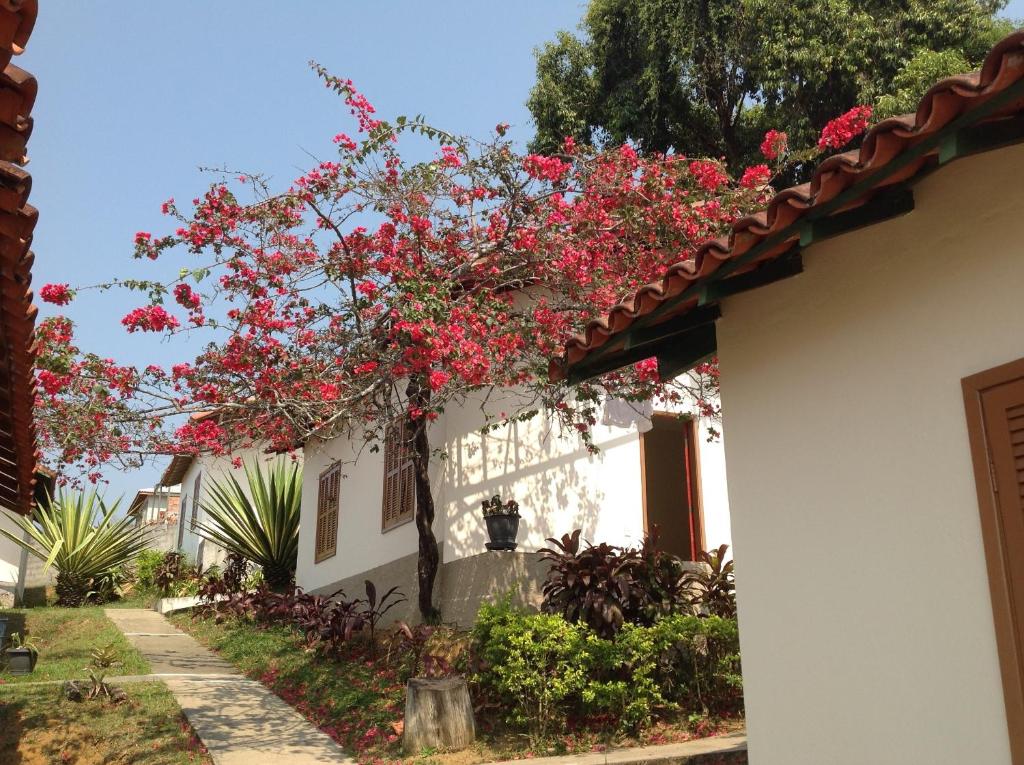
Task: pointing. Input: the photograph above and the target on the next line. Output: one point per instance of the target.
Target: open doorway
(671, 484)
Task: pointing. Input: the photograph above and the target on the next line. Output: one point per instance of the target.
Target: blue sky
(135, 96)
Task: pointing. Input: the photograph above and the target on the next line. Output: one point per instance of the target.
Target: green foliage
(915, 77)
(146, 565)
(542, 669)
(263, 529)
(709, 78)
(608, 586)
(537, 663)
(77, 535)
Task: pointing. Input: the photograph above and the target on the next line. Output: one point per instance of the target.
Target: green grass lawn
(38, 727)
(64, 637)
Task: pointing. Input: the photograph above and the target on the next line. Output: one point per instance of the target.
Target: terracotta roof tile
(18, 454)
(873, 166)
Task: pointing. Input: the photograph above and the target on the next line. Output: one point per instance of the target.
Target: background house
(158, 510)
(358, 505)
(881, 614)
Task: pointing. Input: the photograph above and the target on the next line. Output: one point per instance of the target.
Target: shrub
(175, 576)
(540, 669)
(537, 664)
(608, 586)
(145, 569)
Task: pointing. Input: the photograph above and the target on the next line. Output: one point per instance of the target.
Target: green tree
(709, 77)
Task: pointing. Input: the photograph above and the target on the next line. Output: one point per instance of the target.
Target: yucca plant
(261, 525)
(77, 534)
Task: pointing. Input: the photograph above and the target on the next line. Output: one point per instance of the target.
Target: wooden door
(671, 499)
(995, 415)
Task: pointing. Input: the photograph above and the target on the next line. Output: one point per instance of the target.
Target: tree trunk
(429, 557)
(72, 589)
(438, 715)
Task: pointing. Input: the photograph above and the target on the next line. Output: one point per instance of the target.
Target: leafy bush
(608, 586)
(537, 664)
(327, 622)
(543, 670)
(145, 569)
(176, 576)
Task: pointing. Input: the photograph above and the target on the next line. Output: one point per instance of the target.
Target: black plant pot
(21, 661)
(502, 530)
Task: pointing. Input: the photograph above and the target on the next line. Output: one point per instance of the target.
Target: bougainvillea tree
(376, 289)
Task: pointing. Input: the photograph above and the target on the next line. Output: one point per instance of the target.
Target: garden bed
(65, 637)
(38, 727)
(359, 700)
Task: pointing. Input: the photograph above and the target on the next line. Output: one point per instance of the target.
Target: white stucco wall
(865, 620)
(10, 560)
(214, 468)
(559, 487)
(361, 543)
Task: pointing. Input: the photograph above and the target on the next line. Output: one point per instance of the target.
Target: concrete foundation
(461, 587)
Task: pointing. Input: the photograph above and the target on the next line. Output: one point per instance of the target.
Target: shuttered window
(328, 500)
(399, 477)
(195, 501)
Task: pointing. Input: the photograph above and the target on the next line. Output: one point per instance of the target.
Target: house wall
(213, 468)
(865, 619)
(559, 487)
(10, 563)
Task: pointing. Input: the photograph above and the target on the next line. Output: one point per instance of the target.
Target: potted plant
(502, 519)
(21, 655)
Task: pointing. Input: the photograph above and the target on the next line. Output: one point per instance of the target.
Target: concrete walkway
(718, 749)
(239, 721)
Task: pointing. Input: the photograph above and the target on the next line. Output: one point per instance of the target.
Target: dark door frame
(1008, 622)
(696, 515)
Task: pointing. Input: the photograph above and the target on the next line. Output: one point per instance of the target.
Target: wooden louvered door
(327, 508)
(995, 416)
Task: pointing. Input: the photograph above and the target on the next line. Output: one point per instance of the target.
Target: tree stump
(438, 714)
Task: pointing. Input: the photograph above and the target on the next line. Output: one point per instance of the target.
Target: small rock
(71, 691)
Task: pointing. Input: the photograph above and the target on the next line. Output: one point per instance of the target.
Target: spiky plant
(261, 525)
(77, 534)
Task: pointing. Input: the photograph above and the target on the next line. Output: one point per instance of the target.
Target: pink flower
(152, 318)
(545, 168)
(775, 143)
(58, 294)
(840, 131)
(438, 379)
(186, 297)
(755, 177)
(709, 175)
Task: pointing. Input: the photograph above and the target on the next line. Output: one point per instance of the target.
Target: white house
(870, 345)
(157, 510)
(358, 505)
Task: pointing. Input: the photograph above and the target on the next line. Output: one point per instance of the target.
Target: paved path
(239, 721)
(718, 749)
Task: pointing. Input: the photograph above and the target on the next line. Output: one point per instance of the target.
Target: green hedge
(543, 669)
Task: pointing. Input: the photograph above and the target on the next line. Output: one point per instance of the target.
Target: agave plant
(76, 534)
(261, 525)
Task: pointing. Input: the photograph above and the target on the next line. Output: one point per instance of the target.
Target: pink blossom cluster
(844, 128)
